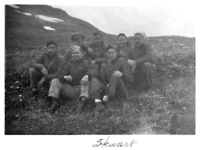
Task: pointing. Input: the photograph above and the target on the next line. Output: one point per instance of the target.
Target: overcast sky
(153, 20)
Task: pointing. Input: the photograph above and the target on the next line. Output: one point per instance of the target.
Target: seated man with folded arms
(99, 53)
(44, 68)
(74, 81)
(142, 61)
(118, 75)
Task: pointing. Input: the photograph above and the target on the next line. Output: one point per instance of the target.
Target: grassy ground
(167, 108)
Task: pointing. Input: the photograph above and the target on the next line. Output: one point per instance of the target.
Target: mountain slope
(23, 30)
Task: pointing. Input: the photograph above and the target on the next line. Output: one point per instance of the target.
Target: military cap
(77, 35)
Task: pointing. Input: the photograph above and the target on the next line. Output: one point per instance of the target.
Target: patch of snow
(27, 14)
(51, 19)
(14, 6)
(48, 28)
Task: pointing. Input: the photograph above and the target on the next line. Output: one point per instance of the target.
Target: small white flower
(16, 82)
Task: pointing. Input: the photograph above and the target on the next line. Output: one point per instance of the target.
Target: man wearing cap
(78, 39)
(142, 60)
(74, 80)
(44, 68)
(118, 74)
(99, 53)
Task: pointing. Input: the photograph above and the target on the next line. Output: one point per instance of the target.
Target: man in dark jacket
(123, 46)
(117, 75)
(78, 39)
(74, 80)
(44, 68)
(99, 54)
(142, 61)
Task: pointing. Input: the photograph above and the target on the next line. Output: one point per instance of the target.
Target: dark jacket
(77, 69)
(141, 54)
(118, 65)
(124, 52)
(99, 53)
(51, 64)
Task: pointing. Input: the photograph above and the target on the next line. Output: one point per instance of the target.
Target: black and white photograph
(100, 70)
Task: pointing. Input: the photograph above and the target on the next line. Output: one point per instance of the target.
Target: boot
(55, 105)
(49, 101)
(101, 93)
(35, 91)
(81, 104)
(99, 107)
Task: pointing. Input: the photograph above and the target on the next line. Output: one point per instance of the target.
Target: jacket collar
(113, 61)
(99, 47)
(52, 56)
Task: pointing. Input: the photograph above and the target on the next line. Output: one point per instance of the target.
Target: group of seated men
(95, 73)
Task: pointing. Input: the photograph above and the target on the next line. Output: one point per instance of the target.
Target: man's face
(112, 54)
(51, 49)
(121, 41)
(98, 39)
(139, 40)
(78, 42)
(77, 54)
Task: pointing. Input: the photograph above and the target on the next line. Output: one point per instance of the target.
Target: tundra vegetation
(167, 108)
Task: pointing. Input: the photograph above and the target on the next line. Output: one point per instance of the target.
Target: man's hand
(84, 80)
(40, 83)
(117, 73)
(46, 77)
(68, 78)
(44, 71)
(93, 62)
(90, 50)
(131, 63)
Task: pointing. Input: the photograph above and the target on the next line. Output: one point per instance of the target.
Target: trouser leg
(121, 91)
(147, 70)
(102, 72)
(54, 89)
(84, 96)
(68, 92)
(35, 76)
(97, 89)
(117, 88)
(85, 90)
